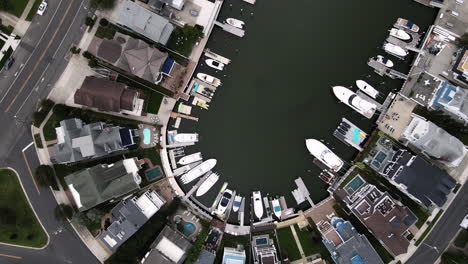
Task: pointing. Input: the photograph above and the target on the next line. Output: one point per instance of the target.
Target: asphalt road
(443, 232)
(39, 61)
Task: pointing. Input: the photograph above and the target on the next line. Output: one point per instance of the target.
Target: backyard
(18, 224)
(288, 244)
(311, 241)
(184, 38)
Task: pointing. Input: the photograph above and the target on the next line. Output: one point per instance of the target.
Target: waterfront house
(128, 216)
(451, 99)
(206, 257)
(346, 245)
(233, 256)
(103, 182)
(77, 141)
(108, 96)
(170, 247)
(460, 67)
(264, 250)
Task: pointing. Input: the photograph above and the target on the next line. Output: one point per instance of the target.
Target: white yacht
(235, 22)
(186, 138)
(399, 34)
(190, 158)
(384, 61)
(324, 154)
(275, 205)
(214, 64)
(395, 50)
(223, 203)
(367, 88)
(357, 103)
(209, 79)
(237, 203)
(407, 24)
(258, 207)
(198, 171)
(207, 184)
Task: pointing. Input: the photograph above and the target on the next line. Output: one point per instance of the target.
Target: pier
(214, 56)
(218, 197)
(383, 70)
(186, 168)
(350, 134)
(303, 190)
(364, 96)
(229, 207)
(385, 106)
(228, 28)
(240, 215)
(176, 115)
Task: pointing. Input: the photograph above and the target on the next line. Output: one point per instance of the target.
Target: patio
(149, 136)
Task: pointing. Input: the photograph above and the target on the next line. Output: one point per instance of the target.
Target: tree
(45, 176)
(103, 4)
(63, 212)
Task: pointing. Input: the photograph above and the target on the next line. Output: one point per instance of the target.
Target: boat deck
(228, 28)
(364, 96)
(415, 38)
(301, 187)
(229, 207)
(199, 183)
(385, 107)
(383, 70)
(354, 136)
(218, 198)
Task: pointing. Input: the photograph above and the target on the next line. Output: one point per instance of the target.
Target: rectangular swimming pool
(354, 184)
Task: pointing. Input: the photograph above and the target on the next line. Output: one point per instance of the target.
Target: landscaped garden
(288, 244)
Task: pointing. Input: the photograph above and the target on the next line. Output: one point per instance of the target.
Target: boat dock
(240, 215)
(199, 183)
(229, 207)
(303, 191)
(350, 134)
(385, 106)
(228, 28)
(415, 38)
(383, 70)
(218, 197)
(214, 56)
(364, 96)
(186, 168)
(176, 115)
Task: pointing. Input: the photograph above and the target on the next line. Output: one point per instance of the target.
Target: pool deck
(154, 133)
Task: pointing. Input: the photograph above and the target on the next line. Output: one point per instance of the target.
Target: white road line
(14, 81)
(28, 146)
(32, 90)
(65, 36)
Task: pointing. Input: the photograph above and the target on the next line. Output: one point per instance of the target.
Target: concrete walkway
(22, 26)
(298, 243)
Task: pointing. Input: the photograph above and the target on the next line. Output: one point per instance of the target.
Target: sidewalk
(22, 25)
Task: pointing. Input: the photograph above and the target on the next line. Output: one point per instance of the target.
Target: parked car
(464, 223)
(42, 7)
(8, 63)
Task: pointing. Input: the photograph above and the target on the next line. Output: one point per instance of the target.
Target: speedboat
(324, 154)
(326, 176)
(258, 207)
(354, 101)
(384, 61)
(225, 198)
(186, 138)
(207, 184)
(209, 79)
(276, 208)
(395, 50)
(214, 64)
(237, 203)
(235, 22)
(405, 23)
(367, 88)
(198, 171)
(190, 158)
(399, 34)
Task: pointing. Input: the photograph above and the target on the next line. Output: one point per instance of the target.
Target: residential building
(206, 257)
(264, 250)
(422, 181)
(451, 99)
(386, 218)
(170, 247)
(346, 245)
(158, 4)
(234, 256)
(103, 182)
(135, 17)
(434, 142)
(77, 141)
(129, 216)
(108, 96)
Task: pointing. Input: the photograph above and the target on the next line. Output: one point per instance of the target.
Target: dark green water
(277, 90)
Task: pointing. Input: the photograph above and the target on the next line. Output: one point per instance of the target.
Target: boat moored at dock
(198, 171)
(324, 154)
(258, 207)
(214, 64)
(367, 88)
(399, 34)
(225, 198)
(275, 205)
(395, 50)
(385, 61)
(354, 101)
(190, 158)
(186, 138)
(237, 203)
(405, 23)
(207, 184)
(209, 79)
(235, 22)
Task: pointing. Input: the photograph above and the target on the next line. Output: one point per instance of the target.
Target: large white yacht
(395, 50)
(186, 138)
(324, 154)
(353, 100)
(367, 88)
(385, 61)
(225, 198)
(198, 171)
(258, 207)
(190, 158)
(399, 34)
(207, 184)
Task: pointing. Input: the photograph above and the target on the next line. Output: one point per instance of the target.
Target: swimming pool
(153, 174)
(354, 184)
(146, 136)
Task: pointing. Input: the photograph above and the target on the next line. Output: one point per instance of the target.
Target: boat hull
(367, 88)
(324, 154)
(207, 184)
(258, 207)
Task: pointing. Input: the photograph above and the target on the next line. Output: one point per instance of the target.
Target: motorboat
(214, 64)
(384, 61)
(326, 176)
(209, 79)
(258, 207)
(354, 101)
(235, 22)
(186, 138)
(324, 154)
(367, 88)
(237, 203)
(395, 50)
(405, 23)
(399, 34)
(198, 171)
(223, 203)
(190, 158)
(207, 184)
(276, 208)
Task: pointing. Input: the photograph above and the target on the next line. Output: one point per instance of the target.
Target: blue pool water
(146, 136)
(356, 135)
(261, 241)
(354, 184)
(188, 229)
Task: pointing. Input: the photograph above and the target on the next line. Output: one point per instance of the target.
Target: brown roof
(109, 50)
(105, 95)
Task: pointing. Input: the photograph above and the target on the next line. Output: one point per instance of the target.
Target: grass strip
(429, 228)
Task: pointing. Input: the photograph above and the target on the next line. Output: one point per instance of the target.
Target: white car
(42, 7)
(464, 223)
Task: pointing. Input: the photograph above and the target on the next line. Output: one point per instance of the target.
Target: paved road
(40, 59)
(443, 232)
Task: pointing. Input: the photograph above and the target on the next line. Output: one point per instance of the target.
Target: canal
(277, 90)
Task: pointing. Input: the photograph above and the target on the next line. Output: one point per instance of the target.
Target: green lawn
(429, 228)
(152, 102)
(33, 10)
(184, 38)
(311, 242)
(16, 7)
(107, 32)
(37, 140)
(462, 239)
(18, 224)
(288, 244)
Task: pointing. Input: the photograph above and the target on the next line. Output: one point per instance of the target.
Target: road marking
(10, 256)
(32, 90)
(30, 173)
(30, 144)
(73, 22)
(41, 58)
(34, 50)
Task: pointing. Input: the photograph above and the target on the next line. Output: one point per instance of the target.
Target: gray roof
(205, 257)
(145, 22)
(81, 142)
(101, 183)
(157, 257)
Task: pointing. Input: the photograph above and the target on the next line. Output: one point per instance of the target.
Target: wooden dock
(228, 28)
(383, 70)
(385, 106)
(217, 57)
(176, 115)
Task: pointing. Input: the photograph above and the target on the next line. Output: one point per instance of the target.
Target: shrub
(45, 176)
